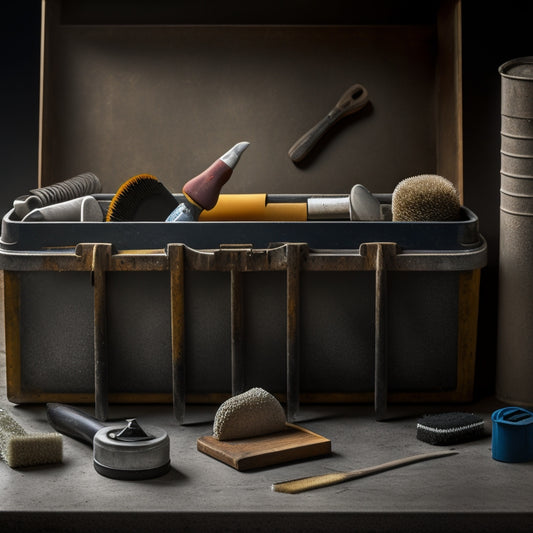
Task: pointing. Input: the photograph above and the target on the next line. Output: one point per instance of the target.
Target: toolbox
(312, 311)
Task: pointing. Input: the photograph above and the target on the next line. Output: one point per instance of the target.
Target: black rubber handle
(73, 422)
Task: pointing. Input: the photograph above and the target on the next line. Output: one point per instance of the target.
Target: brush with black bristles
(141, 198)
(19, 448)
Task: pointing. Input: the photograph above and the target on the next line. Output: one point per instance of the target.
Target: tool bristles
(426, 198)
(142, 197)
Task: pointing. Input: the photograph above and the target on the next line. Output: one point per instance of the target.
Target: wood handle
(296, 486)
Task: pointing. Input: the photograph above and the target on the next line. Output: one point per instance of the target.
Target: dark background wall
(492, 34)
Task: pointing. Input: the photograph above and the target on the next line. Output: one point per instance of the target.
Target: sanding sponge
(425, 198)
(250, 414)
(445, 429)
(19, 448)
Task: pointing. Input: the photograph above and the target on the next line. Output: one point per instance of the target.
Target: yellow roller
(253, 207)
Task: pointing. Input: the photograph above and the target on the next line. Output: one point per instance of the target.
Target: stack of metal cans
(515, 322)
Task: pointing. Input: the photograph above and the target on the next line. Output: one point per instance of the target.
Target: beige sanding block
(292, 444)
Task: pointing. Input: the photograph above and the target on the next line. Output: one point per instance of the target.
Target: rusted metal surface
(100, 261)
(237, 333)
(294, 259)
(176, 258)
(250, 260)
(382, 256)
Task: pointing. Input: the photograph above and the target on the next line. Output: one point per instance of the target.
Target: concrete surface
(469, 491)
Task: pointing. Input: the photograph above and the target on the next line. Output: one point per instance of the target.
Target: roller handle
(73, 422)
(353, 99)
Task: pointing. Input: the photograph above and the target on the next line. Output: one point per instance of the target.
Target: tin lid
(520, 68)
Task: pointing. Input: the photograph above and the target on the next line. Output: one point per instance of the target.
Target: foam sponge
(449, 428)
(250, 414)
(19, 448)
(427, 197)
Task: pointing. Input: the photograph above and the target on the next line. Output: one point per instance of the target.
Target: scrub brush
(141, 198)
(252, 413)
(19, 448)
(445, 429)
(427, 197)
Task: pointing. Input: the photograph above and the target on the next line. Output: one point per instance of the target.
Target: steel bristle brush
(19, 448)
(325, 480)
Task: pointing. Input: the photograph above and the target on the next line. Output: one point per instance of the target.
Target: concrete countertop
(468, 491)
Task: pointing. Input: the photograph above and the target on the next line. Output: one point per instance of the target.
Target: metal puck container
(515, 316)
(131, 452)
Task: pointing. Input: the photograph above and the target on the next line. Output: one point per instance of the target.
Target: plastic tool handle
(353, 100)
(72, 422)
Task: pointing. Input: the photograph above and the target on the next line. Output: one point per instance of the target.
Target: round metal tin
(142, 459)
(517, 87)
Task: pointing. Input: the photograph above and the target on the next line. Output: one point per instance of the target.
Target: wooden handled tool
(325, 480)
(352, 101)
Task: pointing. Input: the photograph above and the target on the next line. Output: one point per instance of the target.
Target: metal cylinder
(517, 87)
(514, 145)
(324, 208)
(517, 127)
(514, 374)
(521, 165)
(516, 185)
(518, 205)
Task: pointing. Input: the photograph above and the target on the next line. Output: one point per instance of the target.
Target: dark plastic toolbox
(333, 311)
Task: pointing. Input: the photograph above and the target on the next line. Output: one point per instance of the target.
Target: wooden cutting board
(292, 444)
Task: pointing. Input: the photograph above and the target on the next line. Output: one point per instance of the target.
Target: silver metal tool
(127, 452)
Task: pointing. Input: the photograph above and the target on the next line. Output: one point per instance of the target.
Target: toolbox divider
(381, 256)
(176, 265)
(238, 361)
(101, 255)
(294, 253)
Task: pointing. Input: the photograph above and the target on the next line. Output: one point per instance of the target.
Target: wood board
(294, 443)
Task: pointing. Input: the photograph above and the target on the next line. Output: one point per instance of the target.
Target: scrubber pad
(19, 448)
(252, 413)
(427, 197)
(449, 428)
